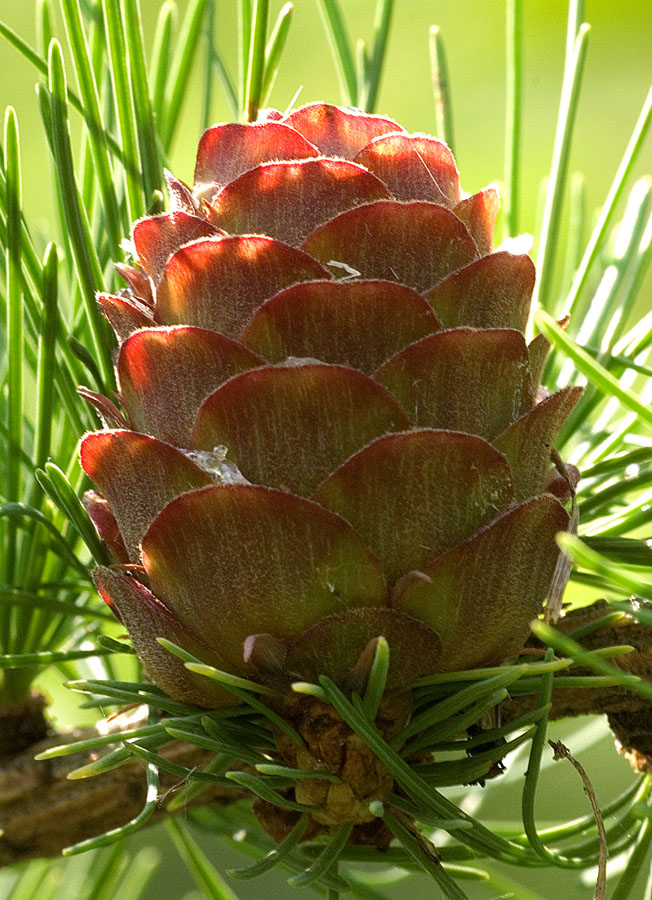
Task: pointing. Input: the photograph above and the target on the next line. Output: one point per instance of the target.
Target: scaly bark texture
(42, 812)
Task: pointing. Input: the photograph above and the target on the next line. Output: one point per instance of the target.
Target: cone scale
(331, 431)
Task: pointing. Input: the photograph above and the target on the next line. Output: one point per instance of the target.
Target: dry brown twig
(561, 751)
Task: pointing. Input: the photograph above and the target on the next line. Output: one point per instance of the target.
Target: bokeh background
(617, 77)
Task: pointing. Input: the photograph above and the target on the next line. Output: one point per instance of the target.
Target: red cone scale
(329, 426)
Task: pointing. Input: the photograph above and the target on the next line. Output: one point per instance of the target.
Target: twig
(561, 751)
(41, 811)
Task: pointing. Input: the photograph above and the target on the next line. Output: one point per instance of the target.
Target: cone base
(331, 746)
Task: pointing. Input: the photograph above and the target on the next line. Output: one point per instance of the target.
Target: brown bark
(22, 725)
(568, 702)
(629, 715)
(41, 812)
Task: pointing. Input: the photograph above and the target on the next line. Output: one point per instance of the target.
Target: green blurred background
(618, 72)
(617, 77)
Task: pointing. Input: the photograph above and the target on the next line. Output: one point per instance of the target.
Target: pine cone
(329, 425)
